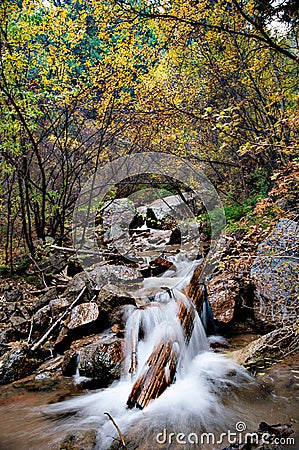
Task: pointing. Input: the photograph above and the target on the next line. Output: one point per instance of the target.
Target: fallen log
(161, 366)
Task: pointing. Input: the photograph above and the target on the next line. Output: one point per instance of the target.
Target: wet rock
(118, 330)
(102, 360)
(80, 440)
(69, 363)
(81, 315)
(111, 300)
(49, 367)
(175, 238)
(17, 363)
(223, 293)
(275, 274)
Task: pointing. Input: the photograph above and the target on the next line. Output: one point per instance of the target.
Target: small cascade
(194, 395)
(207, 317)
(78, 379)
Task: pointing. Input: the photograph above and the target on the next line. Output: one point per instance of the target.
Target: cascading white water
(193, 402)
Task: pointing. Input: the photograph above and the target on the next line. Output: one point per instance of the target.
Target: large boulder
(116, 218)
(267, 349)
(102, 360)
(114, 274)
(111, 301)
(275, 274)
(165, 213)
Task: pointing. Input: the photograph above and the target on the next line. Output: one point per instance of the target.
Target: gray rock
(117, 216)
(57, 305)
(267, 349)
(45, 298)
(76, 285)
(166, 212)
(13, 295)
(114, 274)
(275, 274)
(42, 318)
(102, 360)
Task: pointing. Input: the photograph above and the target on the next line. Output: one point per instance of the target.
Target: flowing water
(211, 394)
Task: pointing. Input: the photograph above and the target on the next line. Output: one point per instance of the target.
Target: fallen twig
(39, 269)
(30, 332)
(118, 430)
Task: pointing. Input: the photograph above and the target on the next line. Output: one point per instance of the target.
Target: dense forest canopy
(83, 82)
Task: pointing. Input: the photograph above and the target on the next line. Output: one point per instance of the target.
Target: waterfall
(193, 400)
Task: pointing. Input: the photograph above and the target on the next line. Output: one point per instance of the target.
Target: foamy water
(203, 379)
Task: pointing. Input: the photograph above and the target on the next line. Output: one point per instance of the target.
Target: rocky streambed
(67, 339)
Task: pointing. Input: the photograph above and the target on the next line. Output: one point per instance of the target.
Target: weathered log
(161, 366)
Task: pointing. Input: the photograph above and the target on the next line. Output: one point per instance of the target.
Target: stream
(211, 394)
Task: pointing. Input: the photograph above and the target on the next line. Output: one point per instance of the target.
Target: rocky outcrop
(114, 274)
(275, 274)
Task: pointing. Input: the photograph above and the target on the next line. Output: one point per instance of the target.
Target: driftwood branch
(121, 437)
(64, 315)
